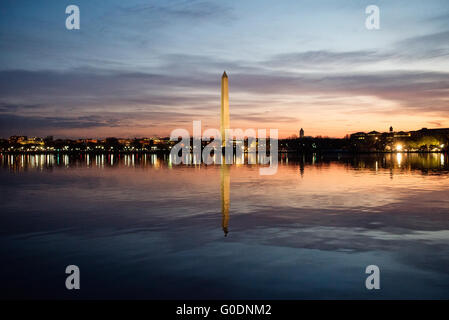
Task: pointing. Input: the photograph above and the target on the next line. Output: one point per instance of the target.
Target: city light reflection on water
(399, 159)
(402, 161)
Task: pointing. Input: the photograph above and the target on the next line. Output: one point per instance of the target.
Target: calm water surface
(139, 227)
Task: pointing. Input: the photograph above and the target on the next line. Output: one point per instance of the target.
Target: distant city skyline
(144, 68)
(301, 133)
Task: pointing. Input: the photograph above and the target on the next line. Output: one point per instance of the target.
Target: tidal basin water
(139, 227)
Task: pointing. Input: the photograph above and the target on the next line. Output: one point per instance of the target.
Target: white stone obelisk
(224, 123)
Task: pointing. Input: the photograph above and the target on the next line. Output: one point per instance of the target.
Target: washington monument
(225, 179)
(224, 121)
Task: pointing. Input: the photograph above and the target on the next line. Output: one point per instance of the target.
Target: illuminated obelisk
(224, 122)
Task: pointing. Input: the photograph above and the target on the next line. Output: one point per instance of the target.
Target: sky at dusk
(144, 68)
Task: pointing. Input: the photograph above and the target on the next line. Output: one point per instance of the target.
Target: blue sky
(142, 68)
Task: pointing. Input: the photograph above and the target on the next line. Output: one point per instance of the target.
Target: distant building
(24, 140)
(358, 136)
(17, 139)
(301, 133)
(402, 134)
(425, 131)
(406, 141)
(374, 134)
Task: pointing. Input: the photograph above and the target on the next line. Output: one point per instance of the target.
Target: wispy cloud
(157, 64)
(190, 10)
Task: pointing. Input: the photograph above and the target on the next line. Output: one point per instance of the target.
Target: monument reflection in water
(140, 227)
(225, 184)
